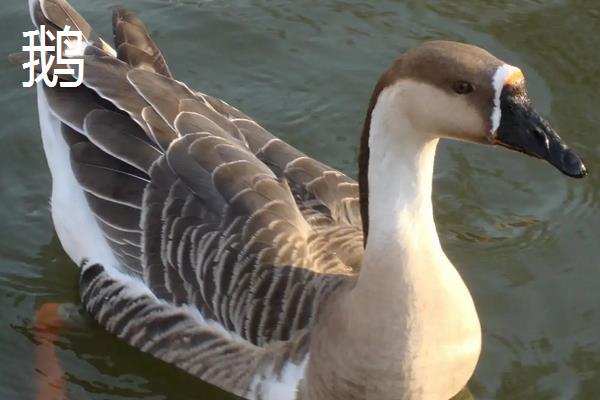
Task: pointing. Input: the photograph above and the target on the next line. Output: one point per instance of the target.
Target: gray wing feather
(108, 183)
(161, 92)
(134, 45)
(56, 14)
(161, 133)
(71, 105)
(60, 13)
(114, 193)
(175, 336)
(107, 76)
(119, 136)
(192, 122)
(170, 99)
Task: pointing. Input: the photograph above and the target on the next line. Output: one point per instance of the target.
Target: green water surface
(525, 238)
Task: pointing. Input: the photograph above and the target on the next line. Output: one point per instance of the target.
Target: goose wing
(223, 233)
(219, 229)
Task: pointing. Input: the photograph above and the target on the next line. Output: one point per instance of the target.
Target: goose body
(209, 243)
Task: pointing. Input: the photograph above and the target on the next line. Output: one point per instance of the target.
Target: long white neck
(400, 181)
(402, 233)
(408, 328)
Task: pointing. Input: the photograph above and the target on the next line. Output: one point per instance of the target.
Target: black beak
(523, 129)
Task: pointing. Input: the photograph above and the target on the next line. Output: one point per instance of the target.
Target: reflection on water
(523, 237)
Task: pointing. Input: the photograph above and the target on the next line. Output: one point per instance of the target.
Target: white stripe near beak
(505, 74)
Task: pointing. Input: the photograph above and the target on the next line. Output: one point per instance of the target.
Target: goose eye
(463, 87)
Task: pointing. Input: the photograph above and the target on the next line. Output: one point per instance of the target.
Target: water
(524, 237)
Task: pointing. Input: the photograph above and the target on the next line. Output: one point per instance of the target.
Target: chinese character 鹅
(54, 56)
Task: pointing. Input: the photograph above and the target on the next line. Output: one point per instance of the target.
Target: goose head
(444, 89)
(463, 92)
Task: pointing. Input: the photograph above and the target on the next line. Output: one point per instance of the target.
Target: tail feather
(132, 41)
(134, 45)
(57, 14)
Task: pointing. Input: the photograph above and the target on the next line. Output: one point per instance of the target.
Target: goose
(207, 242)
